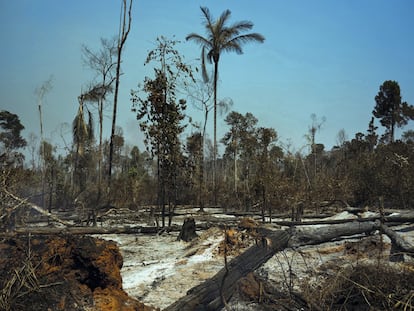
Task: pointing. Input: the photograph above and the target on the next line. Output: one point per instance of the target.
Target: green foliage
(221, 38)
(11, 161)
(390, 108)
(11, 127)
(253, 159)
(195, 169)
(408, 137)
(241, 143)
(161, 116)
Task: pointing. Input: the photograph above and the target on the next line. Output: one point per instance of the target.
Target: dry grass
(364, 287)
(22, 281)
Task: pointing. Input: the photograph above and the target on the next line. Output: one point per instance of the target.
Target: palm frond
(82, 132)
(89, 129)
(241, 26)
(208, 23)
(198, 39)
(210, 55)
(204, 73)
(76, 129)
(234, 45)
(250, 37)
(221, 22)
(225, 105)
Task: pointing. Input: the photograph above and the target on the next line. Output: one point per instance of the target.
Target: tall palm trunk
(221, 38)
(215, 133)
(201, 166)
(100, 156)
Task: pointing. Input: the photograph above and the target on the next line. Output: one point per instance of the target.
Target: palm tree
(221, 38)
(83, 137)
(82, 130)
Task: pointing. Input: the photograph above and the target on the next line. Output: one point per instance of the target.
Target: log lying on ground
(398, 243)
(90, 230)
(40, 210)
(398, 218)
(207, 295)
(311, 236)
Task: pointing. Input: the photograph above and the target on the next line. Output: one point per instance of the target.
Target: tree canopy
(11, 131)
(390, 108)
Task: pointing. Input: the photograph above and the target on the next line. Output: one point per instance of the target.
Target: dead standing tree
(125, 27)
(41, 93)
(103, 63)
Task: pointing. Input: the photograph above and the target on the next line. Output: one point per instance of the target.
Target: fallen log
(400, 217)
(79, 230)
(90, 230)
(40, 210)
(407, 217)
(398, 243)
(312, 236)
(207, 295)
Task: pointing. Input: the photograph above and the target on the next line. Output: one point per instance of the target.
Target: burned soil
(62, 273)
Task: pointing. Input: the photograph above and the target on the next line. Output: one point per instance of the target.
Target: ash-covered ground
(158, 269)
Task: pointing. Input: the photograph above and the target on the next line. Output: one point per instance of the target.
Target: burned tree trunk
(207, 295)
(398, 218)
(399, 246)
(85, 230)
(309, 236)
(24, 202)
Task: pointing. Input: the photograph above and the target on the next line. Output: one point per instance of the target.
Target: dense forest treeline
(254, 171)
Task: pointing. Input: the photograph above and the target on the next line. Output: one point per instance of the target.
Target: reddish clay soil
(62, 273)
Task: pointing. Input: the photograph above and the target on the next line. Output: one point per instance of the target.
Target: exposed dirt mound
(62, 273)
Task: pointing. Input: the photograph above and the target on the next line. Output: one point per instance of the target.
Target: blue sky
(321, 56)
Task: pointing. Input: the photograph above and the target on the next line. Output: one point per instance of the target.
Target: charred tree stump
(297, 212)
(188, 230)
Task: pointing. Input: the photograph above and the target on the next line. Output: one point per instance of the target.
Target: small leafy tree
(264, 172)
(195, 165)
(10, 136)
(11, 161)
(161, 117)
(371, 137)
(241, 144)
